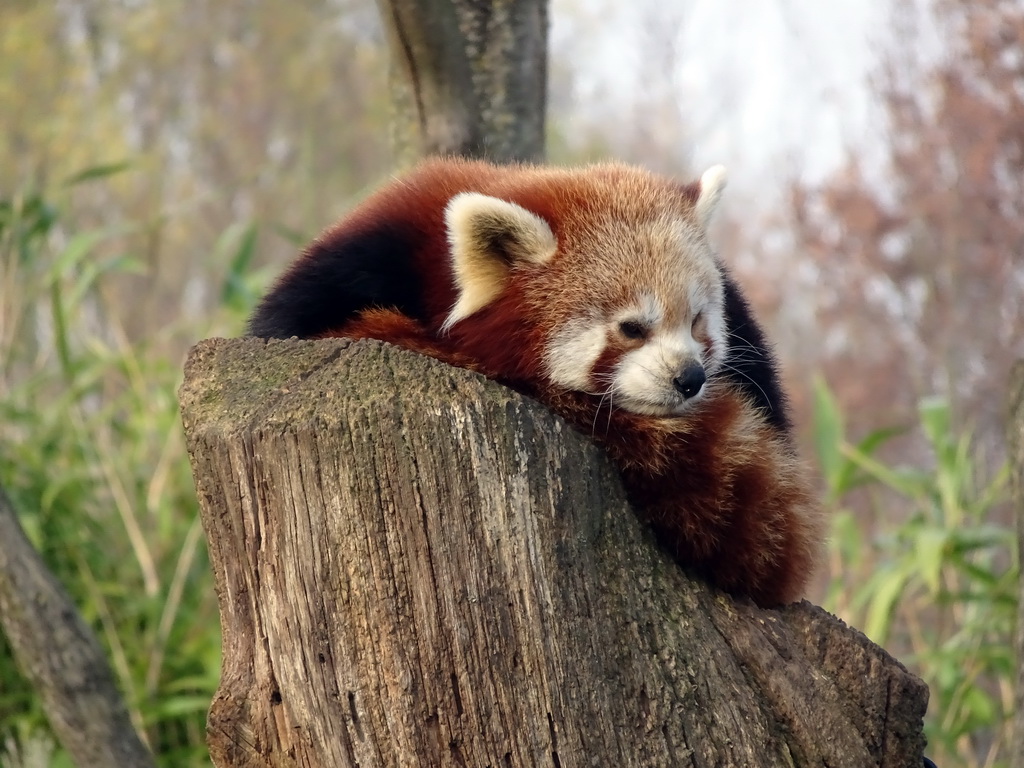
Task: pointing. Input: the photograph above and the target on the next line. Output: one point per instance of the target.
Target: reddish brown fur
(419, 199)
(721, 488)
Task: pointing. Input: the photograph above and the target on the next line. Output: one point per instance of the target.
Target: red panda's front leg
(395, 328)
(725, 493)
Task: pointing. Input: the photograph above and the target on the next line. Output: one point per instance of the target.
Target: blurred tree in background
(924, 274)
(914, 275)
(159, 162)
(219, 112)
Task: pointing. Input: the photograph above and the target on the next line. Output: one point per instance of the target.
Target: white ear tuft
(712, 182)
(488, 238)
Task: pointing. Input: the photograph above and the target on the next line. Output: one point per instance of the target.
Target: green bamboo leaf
(935, 420)
(828, 435)
(910, 482)
(853, 476)
(93, 271)
(930, 547)
(983, 536)
(78, 248)
(97, 172)
(978, 574)
(847, 537)
(979, 708)
(241, 239)
(888, 590)
(176, 706)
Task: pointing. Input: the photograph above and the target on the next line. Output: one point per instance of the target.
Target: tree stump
(419, 567)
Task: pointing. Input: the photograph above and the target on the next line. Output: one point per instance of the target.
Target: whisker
(748, 378)
(607, 394)
(743, 342)
(739, 359)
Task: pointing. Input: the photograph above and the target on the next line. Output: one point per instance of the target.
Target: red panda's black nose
(689, 382)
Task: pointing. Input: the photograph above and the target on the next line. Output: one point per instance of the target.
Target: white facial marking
(570, 355)
(643, 379)
(648, 312)
(714, 319)
(644, 376)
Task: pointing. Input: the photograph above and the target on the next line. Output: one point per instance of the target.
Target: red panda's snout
(638, 367)
(659, 380)
(690, 380)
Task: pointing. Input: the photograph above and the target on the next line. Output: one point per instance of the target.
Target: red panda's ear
(712, 182)
(488, 237)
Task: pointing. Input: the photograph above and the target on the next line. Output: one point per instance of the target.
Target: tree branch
(61, 656)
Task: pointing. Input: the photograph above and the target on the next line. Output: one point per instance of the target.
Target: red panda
(595, 291)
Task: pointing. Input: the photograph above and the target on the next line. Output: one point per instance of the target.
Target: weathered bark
(61, 656)
(416, 566)
(468, 77)
(1015, 438)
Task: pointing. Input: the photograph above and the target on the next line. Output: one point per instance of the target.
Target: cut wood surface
(419, 567)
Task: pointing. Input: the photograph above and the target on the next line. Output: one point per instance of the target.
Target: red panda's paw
(403, 331)
(778, 538)
(726, 495)
(772, 540)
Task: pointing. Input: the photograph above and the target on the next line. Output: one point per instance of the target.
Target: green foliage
(935, 580)
(92, 455)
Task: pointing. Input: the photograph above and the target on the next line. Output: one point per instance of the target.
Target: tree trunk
(60, 655)
(1015, 438)
(419, 567)
(468, 77)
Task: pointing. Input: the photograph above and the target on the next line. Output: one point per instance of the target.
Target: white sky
(762, 86)
(790, 79)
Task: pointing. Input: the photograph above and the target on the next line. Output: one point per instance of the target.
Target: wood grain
(418, 567)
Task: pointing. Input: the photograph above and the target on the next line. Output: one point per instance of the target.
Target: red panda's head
(609, 272)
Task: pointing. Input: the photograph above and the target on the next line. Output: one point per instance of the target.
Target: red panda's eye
(632, 329)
